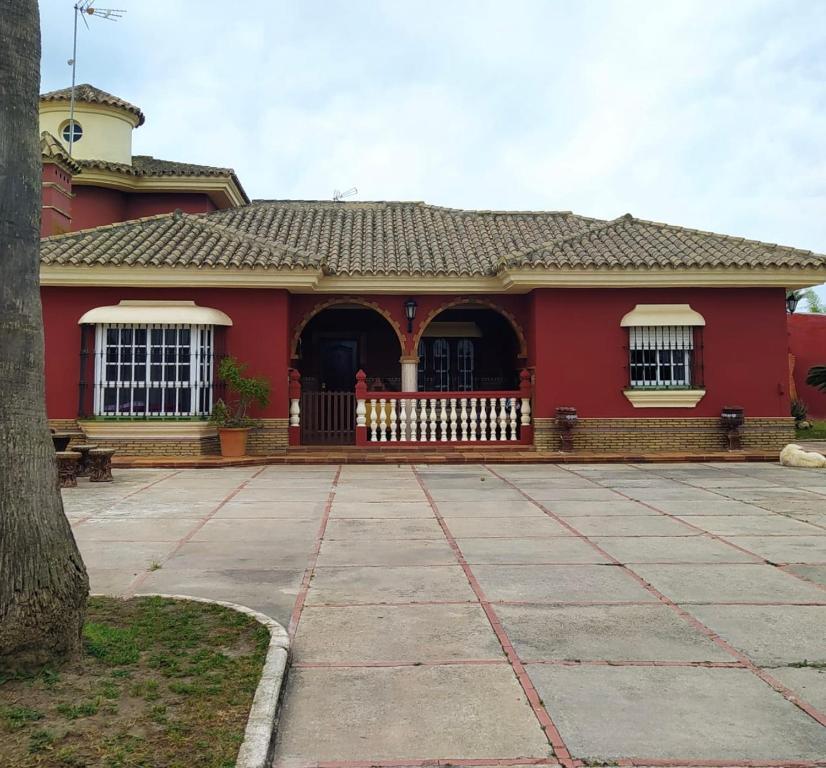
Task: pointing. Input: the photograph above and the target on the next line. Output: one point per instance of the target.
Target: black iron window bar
(665, 357)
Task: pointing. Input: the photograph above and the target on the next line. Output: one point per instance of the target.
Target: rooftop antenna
(84, 8)
(339, 196)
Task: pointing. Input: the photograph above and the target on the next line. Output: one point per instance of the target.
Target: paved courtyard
(667, 614)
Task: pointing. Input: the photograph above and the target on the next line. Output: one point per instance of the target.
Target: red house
(470, 326)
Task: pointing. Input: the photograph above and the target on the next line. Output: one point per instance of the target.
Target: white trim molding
(647, 315)
(136, 312)
(664, 398)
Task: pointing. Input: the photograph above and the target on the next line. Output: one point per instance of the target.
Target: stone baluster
(393, 421)
(294, 386)
(443, 419)
(503, 418)
(483, 420)
(526, 428)
(374, 425)
(512, 407)
(463, 418)
(361, 408)
(412, 418)
(403, 406)
(473, 417)
(453, 420)
(423, 420)
(382, 421)
(433, 420)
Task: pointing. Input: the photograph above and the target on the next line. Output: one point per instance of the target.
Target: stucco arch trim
(329, 304)
(517, 329)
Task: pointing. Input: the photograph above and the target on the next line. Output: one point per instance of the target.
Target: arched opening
(468, 347)
(342, 338)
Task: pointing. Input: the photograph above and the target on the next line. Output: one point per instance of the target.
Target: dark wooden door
(339, 358)
(328, 418)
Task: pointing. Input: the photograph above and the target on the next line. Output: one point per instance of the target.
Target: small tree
(817, 377)
(814, 301)
(246, 391)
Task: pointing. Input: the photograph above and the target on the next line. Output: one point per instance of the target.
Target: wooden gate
(328, 418)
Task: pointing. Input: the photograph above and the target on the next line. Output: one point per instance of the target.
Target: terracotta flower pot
(233, 441)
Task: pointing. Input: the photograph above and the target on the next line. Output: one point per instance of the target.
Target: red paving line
(589, 603)
(551, 731)
(295, 616)
(787, 693)
(141, 577)
(129, 495)
(435, 763)
(393, 604)
(660, 763)
(633, 663)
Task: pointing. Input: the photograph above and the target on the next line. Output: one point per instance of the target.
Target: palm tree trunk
(43, 582)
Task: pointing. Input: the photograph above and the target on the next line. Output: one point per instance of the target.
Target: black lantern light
(792, 300)
(410, 313)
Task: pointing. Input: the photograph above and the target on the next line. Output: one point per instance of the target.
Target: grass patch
(161, 683)
(817, 432)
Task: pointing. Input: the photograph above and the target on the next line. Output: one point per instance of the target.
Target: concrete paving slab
(476, 493)
(306, 493)
(521, 527)
(718, 507)
(671, 549)
(813, 573)
(291, 510)
(111, 581)
(380, 509)
(519, 508)
(559, 583)
(386, 552)
(606, 632)
(537, 550)
(385, 633)
(728, 583)
(399, 584)
(259, 530)
(785, 549)
(676, 493)
(241, 555)
(770, 634)
(594, 493)
(625, 525)
(478, 712)
(361, 529)
(141, 529)
(389, 493)
(133, 556)
(270, 591)
(687, 714)
(599, 509)
(808, 682)
(730, 525)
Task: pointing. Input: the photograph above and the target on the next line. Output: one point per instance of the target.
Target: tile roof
(52, 149)
(88, 94)
(409, 238)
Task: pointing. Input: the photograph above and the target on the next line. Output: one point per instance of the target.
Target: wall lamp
(410, 307)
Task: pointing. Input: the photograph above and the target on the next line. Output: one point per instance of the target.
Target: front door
(339, 360)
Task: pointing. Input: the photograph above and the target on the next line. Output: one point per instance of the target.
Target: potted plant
(231, 416)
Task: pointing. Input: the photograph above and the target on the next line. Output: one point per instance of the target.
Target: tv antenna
(84, 8)
(339, 196)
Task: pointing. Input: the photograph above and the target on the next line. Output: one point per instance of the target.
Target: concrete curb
(259, 735)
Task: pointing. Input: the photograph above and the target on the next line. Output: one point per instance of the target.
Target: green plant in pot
(231, 415)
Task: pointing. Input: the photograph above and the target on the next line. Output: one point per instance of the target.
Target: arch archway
(338, 337)
(469, 345)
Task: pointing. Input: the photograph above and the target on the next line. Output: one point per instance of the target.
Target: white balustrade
(295, 412)
(434, 418)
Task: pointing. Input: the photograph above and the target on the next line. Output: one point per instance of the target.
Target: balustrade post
(294, 392)
(361, 408)
(525, 392)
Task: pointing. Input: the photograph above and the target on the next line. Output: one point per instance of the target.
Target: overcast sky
(704, 114)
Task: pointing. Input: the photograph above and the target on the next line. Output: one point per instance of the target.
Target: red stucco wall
(96, 206)
(807, 342)
(579, 350)
(573, 337)
(258, 335)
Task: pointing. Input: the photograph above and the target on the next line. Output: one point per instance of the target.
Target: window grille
(663, 357)
(153, 370)
(464, 355)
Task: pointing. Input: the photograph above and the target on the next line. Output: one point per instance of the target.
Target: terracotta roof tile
(88, 94)
(410, 238)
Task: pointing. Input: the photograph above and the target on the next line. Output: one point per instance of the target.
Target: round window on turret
(71, 131)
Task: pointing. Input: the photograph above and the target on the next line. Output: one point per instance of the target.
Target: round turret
(102, 127)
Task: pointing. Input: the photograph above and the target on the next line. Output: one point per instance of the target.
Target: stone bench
(67, 465)
(83, 465)
(100, 465)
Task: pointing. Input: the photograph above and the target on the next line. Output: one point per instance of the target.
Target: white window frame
(199, 384)
(669, 347)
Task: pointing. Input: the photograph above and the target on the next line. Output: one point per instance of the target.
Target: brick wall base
(270, 437)
(691, 434)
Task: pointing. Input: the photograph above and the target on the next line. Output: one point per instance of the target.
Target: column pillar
(410, 373)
